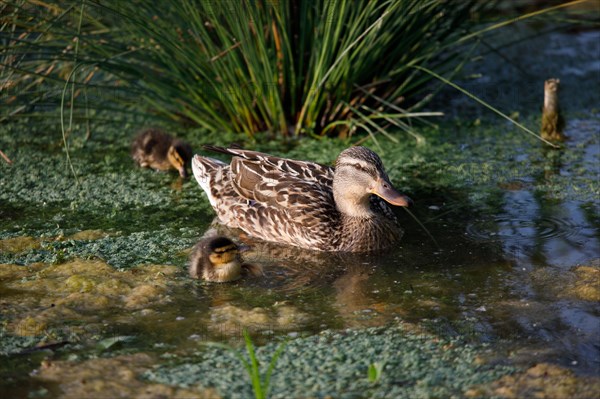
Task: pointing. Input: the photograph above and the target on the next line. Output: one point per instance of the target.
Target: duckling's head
(179, 155)
(359, 173)
(216, 259)
(221, 250)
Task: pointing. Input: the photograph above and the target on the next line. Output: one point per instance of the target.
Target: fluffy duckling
(153, 148)
(218, 259)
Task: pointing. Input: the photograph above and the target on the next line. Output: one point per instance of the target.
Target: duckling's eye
(228, 248)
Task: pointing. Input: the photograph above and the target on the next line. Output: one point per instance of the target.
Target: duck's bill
(385, 190)
(182, 172)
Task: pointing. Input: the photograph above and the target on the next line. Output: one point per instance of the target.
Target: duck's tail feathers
(207, 171)
(231, 150)
(238, 151)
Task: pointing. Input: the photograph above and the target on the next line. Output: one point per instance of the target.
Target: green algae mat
(335, 364)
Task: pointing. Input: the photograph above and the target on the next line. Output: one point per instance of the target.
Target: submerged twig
(51, 346)
(7, 159)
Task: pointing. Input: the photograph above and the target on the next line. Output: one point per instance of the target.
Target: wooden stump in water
(552, 120)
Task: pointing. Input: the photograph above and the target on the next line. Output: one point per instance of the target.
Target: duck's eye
(359, 166)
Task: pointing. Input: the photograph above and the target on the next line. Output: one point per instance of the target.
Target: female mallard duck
(218, 259)
(304, 203)
(153, 148)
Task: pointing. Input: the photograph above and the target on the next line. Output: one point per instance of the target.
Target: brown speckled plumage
(153, 148)
(304, 203)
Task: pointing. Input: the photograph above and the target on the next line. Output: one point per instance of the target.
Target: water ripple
(505, 228)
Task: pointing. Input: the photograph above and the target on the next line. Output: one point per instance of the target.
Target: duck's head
(358, 174)
(179, 155)
(216, 259)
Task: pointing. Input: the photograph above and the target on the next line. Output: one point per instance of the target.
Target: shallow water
(515, 261)
(503, 270)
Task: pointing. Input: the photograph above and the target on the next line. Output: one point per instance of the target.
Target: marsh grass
(286, 67)
(375, 371)
(289, 68)
(260, 383)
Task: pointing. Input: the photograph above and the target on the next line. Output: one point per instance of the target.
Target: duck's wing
(282, 208)
(280, 199)
(264, 164)
(277, 188)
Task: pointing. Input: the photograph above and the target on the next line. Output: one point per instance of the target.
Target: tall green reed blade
(62, 107)
(485, 104)
(260, 383)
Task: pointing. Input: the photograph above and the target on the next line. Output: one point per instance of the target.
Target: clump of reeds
(285, 66)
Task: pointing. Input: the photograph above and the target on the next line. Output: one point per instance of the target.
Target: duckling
(155, 149)
(218, 259)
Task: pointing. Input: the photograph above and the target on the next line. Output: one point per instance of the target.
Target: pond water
(510, 258)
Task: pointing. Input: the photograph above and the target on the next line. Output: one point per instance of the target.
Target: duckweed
(12, 343)
(120, 251)
(77, 256)
(335, 364)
